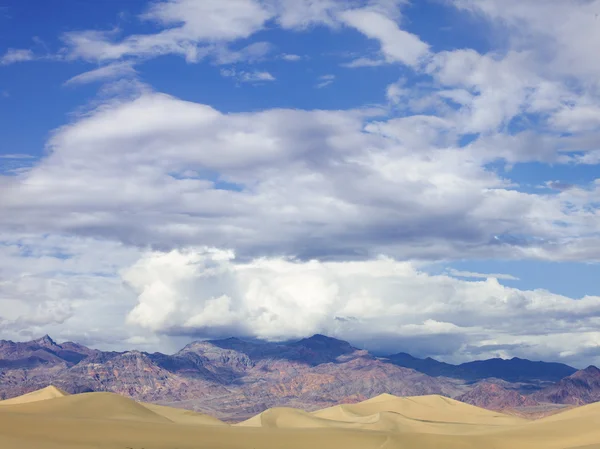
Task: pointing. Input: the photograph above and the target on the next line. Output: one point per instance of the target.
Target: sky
(415, 176)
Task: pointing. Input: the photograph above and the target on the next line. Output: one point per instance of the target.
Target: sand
(50, 419)
(49, 392)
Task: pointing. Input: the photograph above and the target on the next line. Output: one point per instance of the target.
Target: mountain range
(233, 379)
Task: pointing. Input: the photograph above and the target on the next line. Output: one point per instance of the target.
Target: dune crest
(50, 392)
(182, 416)
(384, 422)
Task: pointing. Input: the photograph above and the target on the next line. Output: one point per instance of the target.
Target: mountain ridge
(240, 378)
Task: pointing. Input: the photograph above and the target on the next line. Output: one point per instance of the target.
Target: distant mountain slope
(513, 370)
(582, 387)
(495, 397)
(234, 379)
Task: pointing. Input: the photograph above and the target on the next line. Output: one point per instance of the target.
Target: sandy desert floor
(52, 419)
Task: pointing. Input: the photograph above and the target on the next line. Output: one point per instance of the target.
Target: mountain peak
(45, 341)
(324, 339)
(324, 344)
(590, 371)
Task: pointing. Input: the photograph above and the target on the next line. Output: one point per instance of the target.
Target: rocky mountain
(233, 379)
(582, 387)
(495, 397)
(513, 370)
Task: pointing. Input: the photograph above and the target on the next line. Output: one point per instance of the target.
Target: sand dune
(424, 414)
(109, 421)
(49, 392)
(425, 409)
(106, 406)
(181, 416)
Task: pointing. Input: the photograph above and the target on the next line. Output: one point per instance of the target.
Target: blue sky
(180, 169)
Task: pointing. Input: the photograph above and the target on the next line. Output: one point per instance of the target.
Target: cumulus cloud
(118, 297)
(386, 304)
(165, 161)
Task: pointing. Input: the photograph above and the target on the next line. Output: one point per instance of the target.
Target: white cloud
(559, 30)
(364, 62)
(110, 71)
(191, 28)
(289, 170)
(243, 76)
(302, 14)
(291, 57)
(13, 55)
(397, 45)
(66, 286)
(207, 292)
(73, 289)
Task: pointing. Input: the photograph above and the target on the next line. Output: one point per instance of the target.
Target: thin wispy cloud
(243, 76)
(325, 80)
(111, 71)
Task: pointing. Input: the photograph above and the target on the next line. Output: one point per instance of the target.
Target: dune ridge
(51, 419)
(50, 392)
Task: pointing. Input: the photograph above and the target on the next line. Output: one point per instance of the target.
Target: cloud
(54, 284)
(286, 191)
(470, 274)
(291, 57)
(558, 30)
(196, 30)
(114, 70)
(116, 297)
(251, 53)
(13, 56)
(325, 80)
(205, 291)
(243, 76)
(191, 28)
(364, 62)
(273, 223)
(397, 45)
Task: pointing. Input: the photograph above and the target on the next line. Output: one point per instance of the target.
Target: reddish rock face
(580, 388)
(495, 397)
